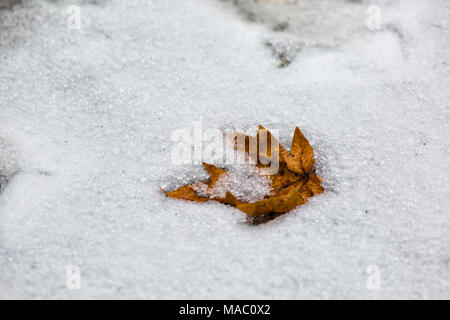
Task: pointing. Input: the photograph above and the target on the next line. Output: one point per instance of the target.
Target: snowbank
(88, 114)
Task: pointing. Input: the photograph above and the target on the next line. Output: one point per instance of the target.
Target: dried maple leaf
(301, 158)
(186, 193)
(261, 155)
(229, 199)
(292, 184)
(281, 203)
(214, 173)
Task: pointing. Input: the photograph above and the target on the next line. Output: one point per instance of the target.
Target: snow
(245, 182)
(85, 146)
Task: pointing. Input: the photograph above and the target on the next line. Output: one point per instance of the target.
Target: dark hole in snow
(8, 4)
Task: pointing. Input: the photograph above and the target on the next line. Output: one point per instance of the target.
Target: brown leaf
(257, 153)
(282, 152)
(283, 178)
(292, 185)
(313, 186)
(246, 145)
(188, 192)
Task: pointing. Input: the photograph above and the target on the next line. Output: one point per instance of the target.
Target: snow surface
(86, 118)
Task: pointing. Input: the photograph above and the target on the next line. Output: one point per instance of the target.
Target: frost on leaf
(262, 197)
